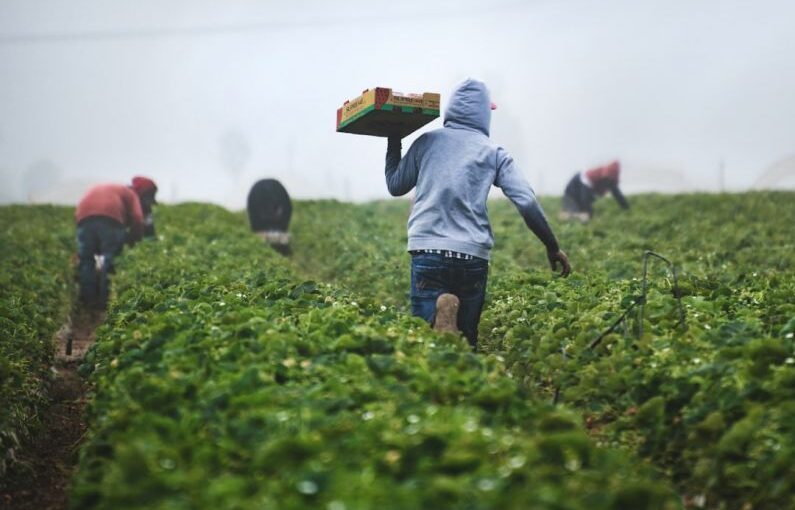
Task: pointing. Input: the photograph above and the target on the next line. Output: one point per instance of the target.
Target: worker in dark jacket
(585, 187)
(269, 212)
(107, 216)
(449, 234)
(146, 190)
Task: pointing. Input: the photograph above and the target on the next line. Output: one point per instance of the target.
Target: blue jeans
(433, 275)
(97, 235)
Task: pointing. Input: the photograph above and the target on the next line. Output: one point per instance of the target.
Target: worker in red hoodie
(107, 216)
(585, 187)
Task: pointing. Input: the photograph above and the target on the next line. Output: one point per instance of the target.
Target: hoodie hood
(469, 107)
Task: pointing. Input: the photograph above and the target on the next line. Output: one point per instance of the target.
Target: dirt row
(40, 478)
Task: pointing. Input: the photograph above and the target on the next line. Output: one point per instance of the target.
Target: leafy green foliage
(223, 380)
(36, 282)
(363, 247)
(712, 406)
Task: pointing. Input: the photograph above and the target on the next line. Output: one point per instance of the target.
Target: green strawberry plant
(710, 406)
(227, 376)
(36, 243)
(223, 379)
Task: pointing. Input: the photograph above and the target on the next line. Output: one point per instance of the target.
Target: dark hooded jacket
(269, 206)
(453, 169)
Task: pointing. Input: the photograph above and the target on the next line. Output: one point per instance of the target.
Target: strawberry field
(228, 376)
(35, 278)
(712, 406)
(225, 380)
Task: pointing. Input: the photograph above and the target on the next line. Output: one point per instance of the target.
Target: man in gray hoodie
(450, 238)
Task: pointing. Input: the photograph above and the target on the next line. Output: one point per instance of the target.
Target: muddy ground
(40, 479)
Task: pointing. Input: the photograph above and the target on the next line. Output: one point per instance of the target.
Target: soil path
(40, 480)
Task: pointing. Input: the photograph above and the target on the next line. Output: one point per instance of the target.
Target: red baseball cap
(143, 184)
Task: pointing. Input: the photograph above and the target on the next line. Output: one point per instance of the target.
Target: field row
(222, 380)
(36, 277)
(712, 405)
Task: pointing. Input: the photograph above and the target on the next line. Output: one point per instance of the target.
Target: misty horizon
(207, 97)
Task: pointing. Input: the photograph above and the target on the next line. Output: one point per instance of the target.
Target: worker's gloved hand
(556, 257)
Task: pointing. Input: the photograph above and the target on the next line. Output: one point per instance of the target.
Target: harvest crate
(382, 112)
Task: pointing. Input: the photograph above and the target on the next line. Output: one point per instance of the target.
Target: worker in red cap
(146, 190)
(585, 187)
(107, 216)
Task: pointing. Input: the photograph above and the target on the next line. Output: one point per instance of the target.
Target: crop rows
(712, 406)
(36, 281)
(224, 380)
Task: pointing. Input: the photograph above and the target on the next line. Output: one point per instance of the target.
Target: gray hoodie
(453, 169)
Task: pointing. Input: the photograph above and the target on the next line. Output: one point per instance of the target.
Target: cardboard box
(382, 112)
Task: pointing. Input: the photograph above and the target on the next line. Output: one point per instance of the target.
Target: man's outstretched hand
(556, 257)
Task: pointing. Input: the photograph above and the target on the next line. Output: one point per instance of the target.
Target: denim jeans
(97, 235)
(434, 274)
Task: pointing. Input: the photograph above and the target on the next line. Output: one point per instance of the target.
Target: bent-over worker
(107, 216)
(269, 211)
(585, 187)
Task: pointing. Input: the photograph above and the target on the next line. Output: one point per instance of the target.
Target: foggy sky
(208, 96)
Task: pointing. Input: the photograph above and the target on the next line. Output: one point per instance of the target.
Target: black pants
(578, 198)
(98, 235)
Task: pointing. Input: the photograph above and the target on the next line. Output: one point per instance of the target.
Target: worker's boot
(446, 314)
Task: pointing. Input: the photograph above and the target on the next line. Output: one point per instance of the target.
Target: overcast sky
(208, 96)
